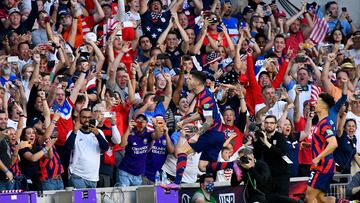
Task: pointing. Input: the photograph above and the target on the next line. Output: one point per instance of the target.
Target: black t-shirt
(28, 168)
(175, 56)
(5, 157)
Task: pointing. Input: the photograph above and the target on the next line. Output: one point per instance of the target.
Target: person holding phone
(137, 141)
(332, 11)
(85, 151)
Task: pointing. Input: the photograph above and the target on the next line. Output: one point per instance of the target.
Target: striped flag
(315, 91)
(319, 31)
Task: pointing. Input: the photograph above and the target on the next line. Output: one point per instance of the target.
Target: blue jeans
(15, 184)
(126, 179)
(7, 185)
(78, 182)
(52, 184)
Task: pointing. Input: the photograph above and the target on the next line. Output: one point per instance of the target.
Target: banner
(228, 194)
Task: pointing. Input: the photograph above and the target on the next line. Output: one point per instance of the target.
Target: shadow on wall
(353, 7)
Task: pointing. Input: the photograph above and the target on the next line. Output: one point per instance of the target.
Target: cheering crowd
(113, 93)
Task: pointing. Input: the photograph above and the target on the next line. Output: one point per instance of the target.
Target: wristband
(6, 171)
(44, 150)
(53, 122)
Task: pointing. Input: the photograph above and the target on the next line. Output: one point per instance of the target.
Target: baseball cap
(106, 3)
(64, 12)
(247, 10)
(14, 10)
(142, 116)
(226, 62)
(280, 14)
(34, 121)
(211, 58)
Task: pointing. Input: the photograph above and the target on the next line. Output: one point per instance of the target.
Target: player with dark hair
(209, 139)
(324, 143)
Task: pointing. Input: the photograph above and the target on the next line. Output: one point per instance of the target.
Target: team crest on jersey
(206, 106)
(145, 141)
(163, 142)
(329, 132)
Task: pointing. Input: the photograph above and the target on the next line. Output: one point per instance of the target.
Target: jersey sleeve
(327, 131)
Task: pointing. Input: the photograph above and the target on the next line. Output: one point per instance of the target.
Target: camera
(311, 6)
(158, 99)
(300, 59)
(244, 159)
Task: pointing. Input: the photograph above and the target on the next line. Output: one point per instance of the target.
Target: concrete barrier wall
(353, 6)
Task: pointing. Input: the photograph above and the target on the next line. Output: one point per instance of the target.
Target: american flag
(315, 91)
(319, 31)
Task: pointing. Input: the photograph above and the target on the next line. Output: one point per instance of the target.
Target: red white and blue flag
(320, 30)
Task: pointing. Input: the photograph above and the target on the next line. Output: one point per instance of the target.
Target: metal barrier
(338, 187)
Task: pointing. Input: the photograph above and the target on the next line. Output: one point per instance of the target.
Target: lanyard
(251, 182)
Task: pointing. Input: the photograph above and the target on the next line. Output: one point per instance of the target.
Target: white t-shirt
(192, 170)
(357, 134)
(303, 96)
(277, 110)
(85, 157)
(14, 124)
(225, 175)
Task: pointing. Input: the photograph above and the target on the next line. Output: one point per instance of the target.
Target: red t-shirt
(122, 116)
(127, 58)
(293, 42)
(238, 140)
(216, 36)
(65, 123)
(305, 156)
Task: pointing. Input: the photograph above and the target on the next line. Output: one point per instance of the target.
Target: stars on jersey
(154, 32)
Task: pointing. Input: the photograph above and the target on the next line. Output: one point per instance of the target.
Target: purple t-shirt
(135, 153)
(156, 158)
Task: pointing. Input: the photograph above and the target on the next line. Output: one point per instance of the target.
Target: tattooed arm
(206, 125)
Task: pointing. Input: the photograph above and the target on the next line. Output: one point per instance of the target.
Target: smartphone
(12, 85)
(108, 114)
(344, 9)
(12, 59)
(300, 59)
(92, 122)
(304, 88)
(346, 106)
(243, 25)
(312, 109)
(159, 99)
(162, 56)
(55, 133)
(278, 92)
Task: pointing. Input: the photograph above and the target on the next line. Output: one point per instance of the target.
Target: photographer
(85, 150)
(256, 176)
(271, 147)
